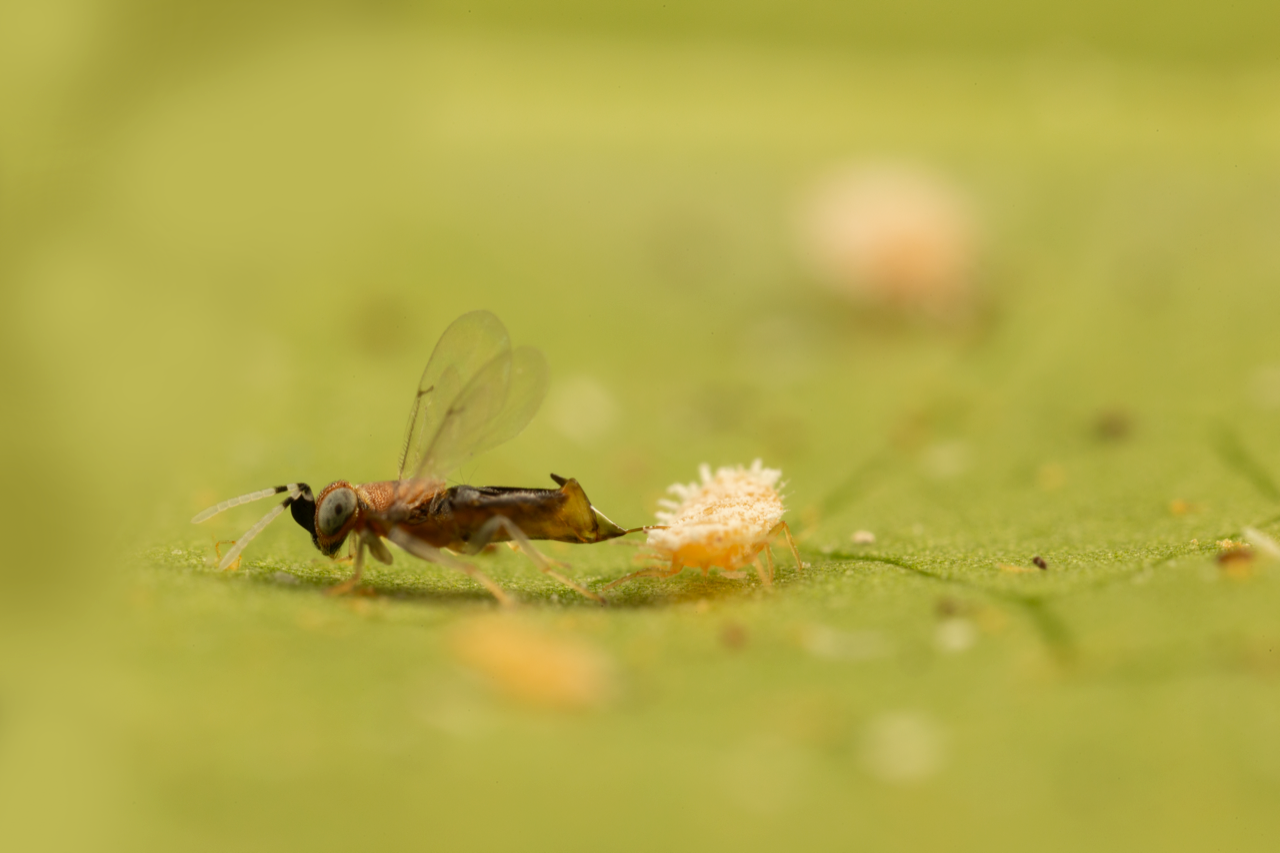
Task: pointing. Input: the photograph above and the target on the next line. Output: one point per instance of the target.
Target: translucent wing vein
(475, 394)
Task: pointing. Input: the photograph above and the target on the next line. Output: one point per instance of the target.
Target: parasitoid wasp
(475, 393)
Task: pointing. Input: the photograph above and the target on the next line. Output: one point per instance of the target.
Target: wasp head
(330, 517)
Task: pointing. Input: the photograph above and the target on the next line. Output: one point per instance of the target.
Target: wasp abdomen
(562, 514)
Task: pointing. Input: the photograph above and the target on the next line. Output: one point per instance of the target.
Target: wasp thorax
(334, 510)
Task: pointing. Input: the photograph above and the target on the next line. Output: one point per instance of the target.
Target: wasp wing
(471, 342)
(495, 406)
(465, 406)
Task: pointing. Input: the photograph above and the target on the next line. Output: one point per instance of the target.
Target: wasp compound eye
(334, 510)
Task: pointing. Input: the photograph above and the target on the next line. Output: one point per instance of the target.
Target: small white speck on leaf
(834, 644)
(863, 537)
(955, 635)
(945, 460)
(903, 748)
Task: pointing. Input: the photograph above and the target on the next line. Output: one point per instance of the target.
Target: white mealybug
(726, 520)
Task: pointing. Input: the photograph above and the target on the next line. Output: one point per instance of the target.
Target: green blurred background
(231, 233)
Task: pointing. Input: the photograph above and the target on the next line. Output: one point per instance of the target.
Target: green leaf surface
(232, 277)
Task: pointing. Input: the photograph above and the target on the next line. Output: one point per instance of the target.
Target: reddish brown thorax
(372, 501)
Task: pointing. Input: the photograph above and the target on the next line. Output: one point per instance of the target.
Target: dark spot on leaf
(733, 635)
(1113, 425)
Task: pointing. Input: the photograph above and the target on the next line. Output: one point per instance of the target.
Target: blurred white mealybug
(726, 521)
(892, 235)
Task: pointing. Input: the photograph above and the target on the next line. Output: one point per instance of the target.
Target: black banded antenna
(295, 490)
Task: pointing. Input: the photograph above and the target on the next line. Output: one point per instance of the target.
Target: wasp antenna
(243, 541)
(248, 499)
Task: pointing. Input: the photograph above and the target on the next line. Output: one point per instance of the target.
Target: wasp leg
(379, 551)
(782, 526)
(352, 582)
(490, 528)
(423, 551)
(656, 572)
(217, 549)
